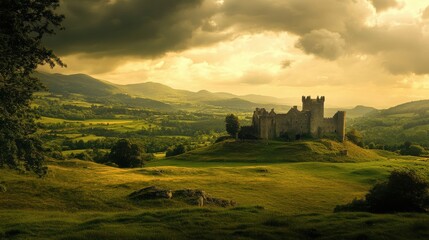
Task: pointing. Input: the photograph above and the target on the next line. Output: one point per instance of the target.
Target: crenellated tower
(295, 124)
(316, 107)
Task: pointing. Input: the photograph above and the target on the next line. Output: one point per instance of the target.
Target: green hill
(409, 107)
(85, 200)
(156, 91)
(358, 111)
(78, 84)
(276, 151)
(395, 125)
(96, 91)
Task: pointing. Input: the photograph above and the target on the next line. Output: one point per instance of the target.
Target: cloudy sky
(371, 52)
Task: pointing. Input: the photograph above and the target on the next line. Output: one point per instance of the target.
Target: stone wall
(295, 123)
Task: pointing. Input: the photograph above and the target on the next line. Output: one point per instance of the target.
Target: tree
(404, 191)
(232, 125)
(23, 25)
(179, 149)
(411, 149)
(355, 137)
(126, 155)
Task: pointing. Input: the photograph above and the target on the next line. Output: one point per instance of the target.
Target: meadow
(277, 199)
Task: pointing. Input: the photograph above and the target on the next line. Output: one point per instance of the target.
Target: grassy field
(276, 199)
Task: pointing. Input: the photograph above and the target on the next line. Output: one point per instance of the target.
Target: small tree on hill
(355, 137)
(126, 155)
(232, 125)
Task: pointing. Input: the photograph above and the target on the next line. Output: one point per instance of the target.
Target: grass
(276, 199)
(277, 151)
(194, 223)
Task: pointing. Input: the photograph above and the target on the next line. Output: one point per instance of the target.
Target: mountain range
(159, 95)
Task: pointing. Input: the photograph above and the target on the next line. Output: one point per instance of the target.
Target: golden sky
(370, 52)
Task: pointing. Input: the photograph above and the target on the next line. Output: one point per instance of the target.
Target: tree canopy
(232, 125)
(23, 25)
(126, 154)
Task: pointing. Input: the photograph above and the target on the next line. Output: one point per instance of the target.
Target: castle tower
(316, 108)
(340, 117)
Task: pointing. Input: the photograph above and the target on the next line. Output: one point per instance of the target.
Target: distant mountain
(165, 93)
(233, 103)
(182, 99)
(97, 91)
(77, 83)
(156, 91)
(358, 111)
(87, 85)
(416, 107)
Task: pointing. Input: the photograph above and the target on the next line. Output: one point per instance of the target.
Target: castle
(296, 124)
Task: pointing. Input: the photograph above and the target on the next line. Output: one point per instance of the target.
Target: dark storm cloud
(382, 5)
(296, 16)
(151, 28)
(131, 27)
(323, 43)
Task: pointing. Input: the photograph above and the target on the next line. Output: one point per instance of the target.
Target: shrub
(83, 156)
(179, 149)
(404, 191)
(223, 138)
(355, 137)
(126, 154)
(412, 149)
(247, 132)
(232, 125)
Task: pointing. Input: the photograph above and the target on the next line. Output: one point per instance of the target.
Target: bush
(223, 138)
(126, 154)
(83, 156)
(404, 191)
(355, 137)
(247, 132)
(179, 149)
(412, 149)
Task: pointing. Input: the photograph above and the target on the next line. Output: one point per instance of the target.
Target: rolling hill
(88, 86)
(97, 91)
(323, 150)
(277, 200)
(151, 91)
(395, 125)
(78, 84)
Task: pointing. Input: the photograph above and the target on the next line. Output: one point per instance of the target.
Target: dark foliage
(177, 150)
(126, 154)
(411, 149)
(232, 125)
(23, 24)
(222, 138)
(247, 132)
(355, 137)
(404, 191)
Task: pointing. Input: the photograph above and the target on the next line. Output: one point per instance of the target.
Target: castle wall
(295, 123)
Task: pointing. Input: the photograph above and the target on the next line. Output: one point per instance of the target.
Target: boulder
(190, 196)
(2, 188)
(151, 192)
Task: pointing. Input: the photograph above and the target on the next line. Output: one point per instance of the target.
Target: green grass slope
(277, 151)
(84, 200)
